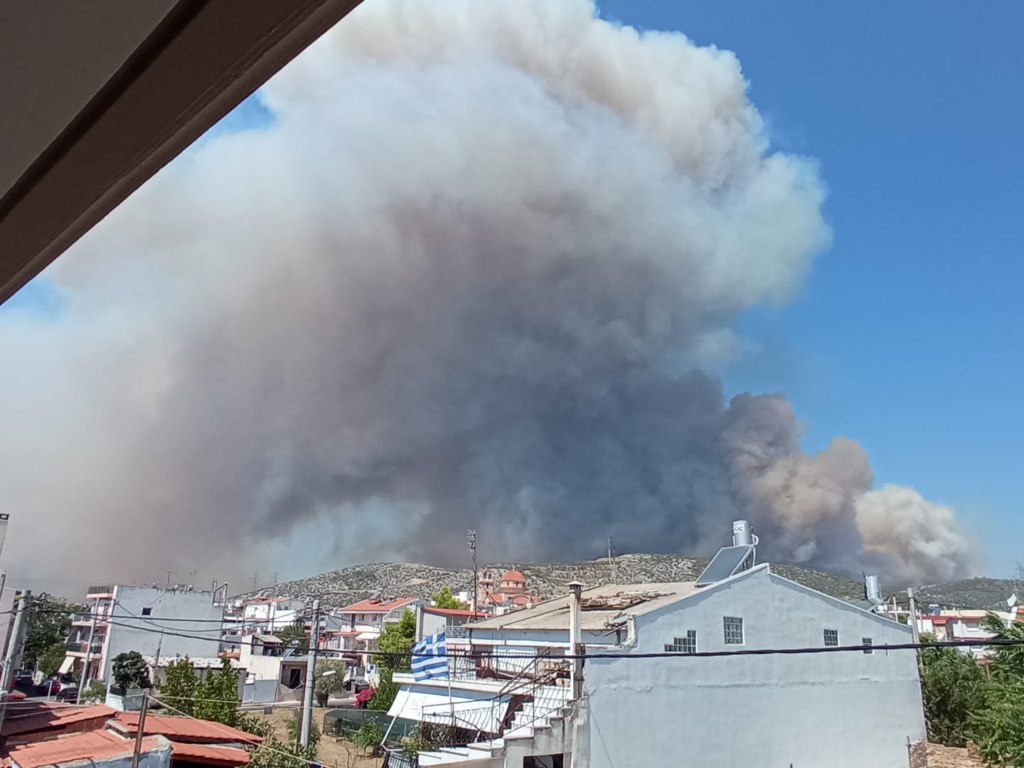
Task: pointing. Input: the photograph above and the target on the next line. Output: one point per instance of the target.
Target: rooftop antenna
(471, 545)
(611, 560)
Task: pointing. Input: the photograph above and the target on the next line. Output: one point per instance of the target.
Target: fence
(345, 722)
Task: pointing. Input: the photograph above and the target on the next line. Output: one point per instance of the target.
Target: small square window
(147, 611)
(686, 644)
(868, 645)
(831, 638)
(733, 630)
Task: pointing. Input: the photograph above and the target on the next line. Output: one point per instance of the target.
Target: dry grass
(334, 751)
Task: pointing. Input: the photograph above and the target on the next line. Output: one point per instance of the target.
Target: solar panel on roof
(727, 562)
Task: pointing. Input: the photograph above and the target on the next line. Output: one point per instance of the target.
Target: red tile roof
(513, 576)
(80, 746)
(52, 715)
(183, 729)
(377, 606)
(209, 755)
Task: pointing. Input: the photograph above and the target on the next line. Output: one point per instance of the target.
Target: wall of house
(838, 709)
(183, 613)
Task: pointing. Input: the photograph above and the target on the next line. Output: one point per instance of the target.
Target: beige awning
(66, 665)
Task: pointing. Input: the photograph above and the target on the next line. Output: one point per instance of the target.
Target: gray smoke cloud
(479, 272)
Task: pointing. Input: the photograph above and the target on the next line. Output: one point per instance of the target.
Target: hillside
(348, 585)
(989, 594)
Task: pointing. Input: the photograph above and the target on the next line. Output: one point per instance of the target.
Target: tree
(953, 687)
(51, 658)
(998, 729)
(295, 634)
(274, 753)
(217, 695)
(444, 598)
(129, 671)
(48, 621)
(324, 685)
(295, 730)
(94, 693)
(1007, 659)
(369, 736)
(180, 685)
(395, 642)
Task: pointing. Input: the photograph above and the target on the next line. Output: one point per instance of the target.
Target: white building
(849, 708)
(160, 623)
(957, 625)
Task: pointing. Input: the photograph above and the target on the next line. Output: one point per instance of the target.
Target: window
(733, 630)
(686, 644)
(867, 643)
(147, 611)
(831, 638)
(543, 761)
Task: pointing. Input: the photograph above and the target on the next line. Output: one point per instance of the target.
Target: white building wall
(807, 710)
(172, 613)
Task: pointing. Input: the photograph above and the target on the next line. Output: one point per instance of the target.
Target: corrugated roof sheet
(184, 729)
(48, 715)
(453, 612)
(210, 755)
(80, 746)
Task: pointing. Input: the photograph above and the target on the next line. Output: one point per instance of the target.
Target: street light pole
(471, 543)
(307, 706)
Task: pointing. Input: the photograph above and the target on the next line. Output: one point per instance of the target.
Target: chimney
(576, 637)
(872, 591)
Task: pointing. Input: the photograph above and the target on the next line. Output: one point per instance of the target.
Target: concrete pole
(307, 705)
(913, 614)
(576, 638)
(142, 730)
(13, 652)
(88, 652)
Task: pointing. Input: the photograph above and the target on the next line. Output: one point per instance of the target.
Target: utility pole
(913, 614)
(307, 705)
(88, 651)
(142, 730)
(13, 652)
(575, 638)
(471, 544)
(255, 581)
(611, 560)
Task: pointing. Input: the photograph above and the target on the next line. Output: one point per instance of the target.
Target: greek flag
(429, 658)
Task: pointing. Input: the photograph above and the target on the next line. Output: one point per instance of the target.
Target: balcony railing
(456, 630)
(80, 647)
(102, 589)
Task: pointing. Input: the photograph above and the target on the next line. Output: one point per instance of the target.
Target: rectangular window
(867, 643)
(733, 630)
(147, 611)
(686, 644)
(831, 638)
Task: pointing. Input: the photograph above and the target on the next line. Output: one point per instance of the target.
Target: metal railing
(102, 589)
(456, 630)
(80, 647)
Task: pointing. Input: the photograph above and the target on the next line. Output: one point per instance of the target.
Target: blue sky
(906, 337)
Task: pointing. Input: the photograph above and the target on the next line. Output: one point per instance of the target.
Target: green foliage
(1007, 659)
(998, 730)
(295, 730)
(326, 685)
(274, 753)
(444, 598)
(953, 687)
(386, 692)
(369, 736)
(129, 671)
(51, 658)
(216, 696)
(95, 693)
(180, 685)
(396, 640)
(295, 635)
(257, 726)
(48, 621)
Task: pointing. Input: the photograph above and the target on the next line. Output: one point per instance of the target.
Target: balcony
(77, 648)
(456, 630)
(103, 590)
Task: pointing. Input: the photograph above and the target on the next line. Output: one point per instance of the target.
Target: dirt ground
(951, 757)
(334, 751)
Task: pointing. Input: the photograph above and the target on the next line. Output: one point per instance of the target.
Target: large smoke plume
(477, 273)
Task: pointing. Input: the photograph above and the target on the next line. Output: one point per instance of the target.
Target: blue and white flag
(429, 658)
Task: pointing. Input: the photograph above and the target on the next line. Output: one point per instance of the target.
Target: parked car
(67, 693)
(24, 679)
(54, 683)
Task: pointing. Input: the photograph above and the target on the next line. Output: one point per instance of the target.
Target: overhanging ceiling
(98, 96)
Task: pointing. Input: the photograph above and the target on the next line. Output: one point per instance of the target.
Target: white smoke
(467, 277)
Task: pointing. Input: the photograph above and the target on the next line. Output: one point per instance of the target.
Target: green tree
(217, 695)
(953, 688)
(444, 598)
(51, 658)
(395, 643)
(294, 726)
(1006, 659)
(48, 619)
(998, 729)
(325, 685)
(295, 635)
(94, 693)
(129, 671)
(274, 753)
(369, 736)
(180, 685)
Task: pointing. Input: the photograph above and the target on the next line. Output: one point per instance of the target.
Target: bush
(953, 687)
(94, 693)
(369, 736)
(295, 730)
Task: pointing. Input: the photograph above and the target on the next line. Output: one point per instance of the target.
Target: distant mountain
(988, 594)
(358, 582)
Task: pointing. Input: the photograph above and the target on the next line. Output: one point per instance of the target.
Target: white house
(518, 703)
(160, 623)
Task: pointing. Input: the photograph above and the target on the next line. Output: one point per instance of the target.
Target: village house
(518, 702)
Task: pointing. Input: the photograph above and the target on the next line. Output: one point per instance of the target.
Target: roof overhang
(187, 65)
